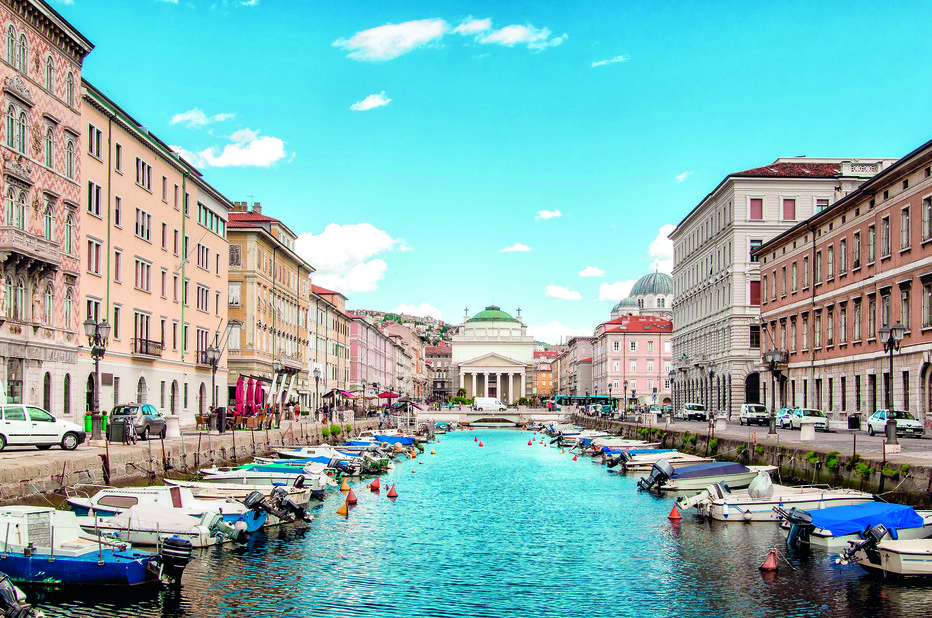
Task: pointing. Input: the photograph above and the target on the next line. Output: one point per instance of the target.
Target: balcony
(146, 348)
(289, 364)
(34, 254)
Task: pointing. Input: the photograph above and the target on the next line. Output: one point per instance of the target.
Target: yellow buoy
(432, 452)
(343, 510)
(344, 487)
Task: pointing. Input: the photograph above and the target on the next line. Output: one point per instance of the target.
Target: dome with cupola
(492, 314)
(652, 294)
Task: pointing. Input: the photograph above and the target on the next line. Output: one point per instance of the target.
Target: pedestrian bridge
(511, 417)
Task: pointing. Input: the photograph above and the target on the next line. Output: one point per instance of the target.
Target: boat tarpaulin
(715, 468)
(842, 520)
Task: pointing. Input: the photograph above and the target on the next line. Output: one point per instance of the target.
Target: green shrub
(893, 473)
(349, 428)
(325, 432)
(741, 448)
(812, 458)
(713, 444)
(655, 431)
(643, 432)
(759, 450)
(864, 470)
(831, 461)
(905, 470)
(335, 430)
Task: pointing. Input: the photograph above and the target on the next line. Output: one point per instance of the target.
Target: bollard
(891, 429)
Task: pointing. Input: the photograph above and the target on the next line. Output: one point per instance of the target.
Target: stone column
(474, 385)
(486, 375)
(522, 386)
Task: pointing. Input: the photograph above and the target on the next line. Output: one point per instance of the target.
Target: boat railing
(81, 490)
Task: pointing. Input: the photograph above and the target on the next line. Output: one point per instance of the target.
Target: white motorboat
(150, 524)
(878, 554)
(315, 477)
(757, 501)
(238, 491)
(664, 478)
(111, 501)
(835, 527)
(644, 463)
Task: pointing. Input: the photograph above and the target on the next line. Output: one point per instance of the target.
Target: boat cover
(715, 468)
(842, 520)
(402, 440)
(154, 517)
(637, 451)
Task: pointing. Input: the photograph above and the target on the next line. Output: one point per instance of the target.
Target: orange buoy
(374, 485)
(392, 493)
(529, 443)
(574, 457)
(770, 562)
(343, 510)
(674, 514)
(351, 497)
(344, 487)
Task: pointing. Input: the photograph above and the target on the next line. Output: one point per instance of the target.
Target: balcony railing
(32, 253)
(147, 347)
(290, 363)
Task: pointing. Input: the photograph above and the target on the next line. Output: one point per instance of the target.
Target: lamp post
(317, 393)
(634, 397)
(672, 376)
(626, 397)
(364, 395)
(770, 358)
(890, 337)
(97, 335)
(610, 402)
(212, 356)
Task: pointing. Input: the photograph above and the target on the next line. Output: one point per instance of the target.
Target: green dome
(492, 314)
(625, 302)
(658, 284)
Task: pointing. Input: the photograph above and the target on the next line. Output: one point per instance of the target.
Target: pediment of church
(491, 360)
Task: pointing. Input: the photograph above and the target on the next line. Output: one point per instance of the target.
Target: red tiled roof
(801, 169)
(638, 324)
(585, 360)
(247, 218)
(319, 290)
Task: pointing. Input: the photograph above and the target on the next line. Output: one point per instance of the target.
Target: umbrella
(240, 395)
(259, 396)
(250, 396)
(388, 395)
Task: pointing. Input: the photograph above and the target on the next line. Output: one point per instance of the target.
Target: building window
(885, 237)
(817, 330)
(118, 211)
(821, 204)
(755, 336)
(756, 209)
(94, 197)
(203, 298)
(926, 218)
(234, 289)
(904, 307)
(871, 244)
(143, 174)
(885, 310)
(94, 139)
(116, 322)
(632, 346)
(927, 305)
(69, 89)
(755, 245)
(616, 346)
(143, 224)
(633, 366)
(904, 228)
(793, 277)
(117, 265)
(843, 325)
(118, 157)
(650, 346)
(164, 189)
(93, 257)
(69, 159)
(871, 317)
(68, 246)
(49, 148)
(143, 280)
(830, 327)
(755, 292)
(21, 133)
(857, 321)
(830, 262)
(806, 272)
(783, 281)
(789, 209)
(23, 53)
(793, 334)
(817, 276)
(842, 256)
(164, 283)
(48, 306)
(48, 227)
(856, 251)
(805, 342)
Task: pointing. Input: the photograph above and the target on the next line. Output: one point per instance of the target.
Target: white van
(488, 404)
(693, 411)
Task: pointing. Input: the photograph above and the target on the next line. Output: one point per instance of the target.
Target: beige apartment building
(153, 240)
(716, 277)
(830, 284)
(40, 254)
(329, 351)
(269, 307)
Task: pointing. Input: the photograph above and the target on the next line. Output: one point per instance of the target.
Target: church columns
(475, 390)
(523, 388)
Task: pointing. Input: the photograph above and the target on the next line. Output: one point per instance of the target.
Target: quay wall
(896, 479)
(30, 475)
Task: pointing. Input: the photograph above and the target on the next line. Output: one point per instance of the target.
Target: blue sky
(435, 156)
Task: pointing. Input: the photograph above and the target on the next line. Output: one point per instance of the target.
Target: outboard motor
(614, 461)
(659, 474)
(285, 508)
(13, 601)
(175, 555)
(299, 482)
(800, 524)
(872, 537)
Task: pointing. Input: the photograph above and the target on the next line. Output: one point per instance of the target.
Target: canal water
(506, 529)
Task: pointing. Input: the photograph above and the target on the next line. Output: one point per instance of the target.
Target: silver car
(145, 419)
(906, 423)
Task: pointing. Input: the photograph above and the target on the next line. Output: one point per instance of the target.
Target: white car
(691, 411)
(906, 423)
(33, 426)
(795, 419)
(753, 413)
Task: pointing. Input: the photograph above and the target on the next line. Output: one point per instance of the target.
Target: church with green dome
(652, 294)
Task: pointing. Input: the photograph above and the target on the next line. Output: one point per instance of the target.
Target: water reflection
(507, 530)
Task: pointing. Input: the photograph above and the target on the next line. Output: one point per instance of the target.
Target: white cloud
(558, 291)
(472, 26)
(554, 332)
(167, 1)
(683, 176)
(515, 247)
(249, 3)
(246, 150)
(591, 271)
(195, 118)
(548, 214)
(392, 40)
(661, 249)
(371, 102)
(422, 310)
(599, 63)
(345, 256)
(616, 291)
(534, 38)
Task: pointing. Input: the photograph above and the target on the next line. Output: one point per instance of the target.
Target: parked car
(753, 413)
(693, 411)
(906, 423)
(821, 423)
(33, 426)
(145, 418)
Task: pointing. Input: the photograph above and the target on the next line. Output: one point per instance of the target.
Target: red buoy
(674, 514)
(475, 439)
(529, 443)
(374, 485)
(574, 457)
(351, 497)
(480, 444)
(392, 493)
(770, 562)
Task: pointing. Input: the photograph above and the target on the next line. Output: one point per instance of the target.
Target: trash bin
(116, 432)
(103, 422)
(854, 421)
(88, 422)
(221, 419)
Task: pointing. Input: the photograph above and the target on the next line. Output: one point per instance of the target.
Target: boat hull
(897, 559)
(109, 568)
(698, 484)
(761, 509)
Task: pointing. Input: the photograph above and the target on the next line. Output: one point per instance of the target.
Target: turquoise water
(507, 530)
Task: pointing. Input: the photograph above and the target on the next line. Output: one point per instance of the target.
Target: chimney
(257, 208)
(239, 207)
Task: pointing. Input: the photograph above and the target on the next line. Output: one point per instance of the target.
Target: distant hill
(432, 329)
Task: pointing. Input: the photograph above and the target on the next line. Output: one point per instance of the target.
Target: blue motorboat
(833, 527)
(46, 547)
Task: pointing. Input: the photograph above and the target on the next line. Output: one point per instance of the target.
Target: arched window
(10, 126)
(49, 148)
(69, 309)
(47, 392)
(69, 159)
(48, 223)
(11, 45)
(48, 306)
(66, 395)
(19, 216)
(19, 298)
(69, 89)
(69, 235)
(21, 132)
(141, 391)
(22, 53)
(8, 208)
(50, 74)
(8, 296)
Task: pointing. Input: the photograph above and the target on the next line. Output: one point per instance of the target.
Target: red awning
(388, 395)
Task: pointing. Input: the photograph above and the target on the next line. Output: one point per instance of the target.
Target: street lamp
(890, 337)
(610, 402)
(672, 376)
(626, 397)
(317, 392)
(212, 355)
(97, 335)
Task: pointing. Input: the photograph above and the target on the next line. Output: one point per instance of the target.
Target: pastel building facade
(40, 250)
(492, 355)
(831, 282)
(632, 358)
